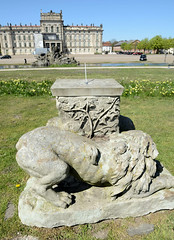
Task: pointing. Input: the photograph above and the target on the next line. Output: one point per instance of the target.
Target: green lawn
(118, 74)
(20, 114)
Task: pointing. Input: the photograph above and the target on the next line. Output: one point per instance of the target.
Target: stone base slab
(91, 205)
(91, 87)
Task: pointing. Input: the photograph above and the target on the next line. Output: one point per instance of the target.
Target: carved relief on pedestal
(95, 116)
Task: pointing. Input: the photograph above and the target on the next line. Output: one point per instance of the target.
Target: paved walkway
(80, 68)
(96, 58)
(93, 58)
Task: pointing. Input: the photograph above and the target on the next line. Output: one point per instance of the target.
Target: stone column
(90, 108)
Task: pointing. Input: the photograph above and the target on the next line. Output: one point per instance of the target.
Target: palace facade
(79, 39)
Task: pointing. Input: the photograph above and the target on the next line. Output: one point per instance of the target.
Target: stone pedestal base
(91, 205)
(88, 108)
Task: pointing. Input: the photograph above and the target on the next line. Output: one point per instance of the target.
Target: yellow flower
(18, 185)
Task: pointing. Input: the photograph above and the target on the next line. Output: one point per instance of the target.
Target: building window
(25, 45)
(51, 28)
(70, 50)
(5, 38)
(29, 44)
(6, 45)
(24, 38)
(46, 29)
(29, 38)
(57, 29)
(19, 37)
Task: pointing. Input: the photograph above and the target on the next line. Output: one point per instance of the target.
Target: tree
(123, 46)
(166, 43)
(172, 42)
(113, 42)
(156, 43)
(129, 46)
(144, 44)
(134, 45)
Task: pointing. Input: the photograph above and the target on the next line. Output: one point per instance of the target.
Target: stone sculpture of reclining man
(126, 161)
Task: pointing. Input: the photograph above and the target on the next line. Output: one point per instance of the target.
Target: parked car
(137, 53)
(143, 57)
(5, 57)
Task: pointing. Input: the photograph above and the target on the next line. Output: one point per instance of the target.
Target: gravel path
(88, 58)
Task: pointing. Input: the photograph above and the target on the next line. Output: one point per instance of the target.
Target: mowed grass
(119, 75)
(21, 114)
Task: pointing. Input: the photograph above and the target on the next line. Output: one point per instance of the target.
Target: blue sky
(122, 20)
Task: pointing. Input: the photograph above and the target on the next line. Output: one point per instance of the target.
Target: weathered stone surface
(125, 161)
(9, 213)
(89, 116)
(94, 87)
(55, 58)
(88, 108)
(143, 228)
(125, 124)
(102, 234)
(91, 205)
(127, 179)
